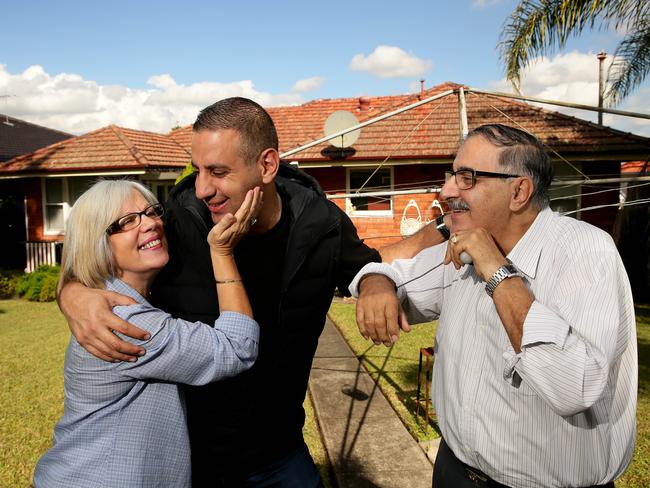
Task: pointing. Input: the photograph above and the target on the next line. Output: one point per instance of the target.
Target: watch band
(442, 228)
(506, 271)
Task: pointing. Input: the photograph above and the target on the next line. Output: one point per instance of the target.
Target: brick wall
(381, 231)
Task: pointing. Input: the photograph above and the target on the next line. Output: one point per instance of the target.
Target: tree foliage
(540, 27)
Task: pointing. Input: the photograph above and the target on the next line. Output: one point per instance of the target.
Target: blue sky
(78, 66)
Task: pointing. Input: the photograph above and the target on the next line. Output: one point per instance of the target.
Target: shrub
(8, 282)
(48, 288)
(40, 285)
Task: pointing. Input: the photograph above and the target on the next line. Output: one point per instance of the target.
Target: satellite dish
(338, 121)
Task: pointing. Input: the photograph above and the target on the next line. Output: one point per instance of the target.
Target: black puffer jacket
(257, 417)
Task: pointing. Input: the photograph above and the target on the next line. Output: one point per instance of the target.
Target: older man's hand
(480, 245)
(379, 314)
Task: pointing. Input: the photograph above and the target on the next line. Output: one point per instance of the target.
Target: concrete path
(367, 443)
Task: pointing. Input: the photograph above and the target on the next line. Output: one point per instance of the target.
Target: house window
(59, 196)
(381, 180)
(161, 189)
(54, 206)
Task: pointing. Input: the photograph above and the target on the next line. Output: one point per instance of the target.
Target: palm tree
(539, 27)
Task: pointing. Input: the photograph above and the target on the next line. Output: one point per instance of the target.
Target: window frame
(48, 230)
(368, 213)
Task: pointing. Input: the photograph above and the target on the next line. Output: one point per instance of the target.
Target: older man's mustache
(457, 205)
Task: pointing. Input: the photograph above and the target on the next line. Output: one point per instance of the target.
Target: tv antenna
(6, 121)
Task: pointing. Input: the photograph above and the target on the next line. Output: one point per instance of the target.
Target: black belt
(480, 479)
(476, 476)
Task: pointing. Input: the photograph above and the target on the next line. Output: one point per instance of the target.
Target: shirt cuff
(377, 268)
(542, 325)
(511, 358)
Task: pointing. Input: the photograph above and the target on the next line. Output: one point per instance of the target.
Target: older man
(535, 374)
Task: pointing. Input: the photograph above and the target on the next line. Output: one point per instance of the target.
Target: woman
(124, 423)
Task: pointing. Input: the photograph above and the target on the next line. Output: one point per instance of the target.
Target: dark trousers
(296, 470)
(451, 472)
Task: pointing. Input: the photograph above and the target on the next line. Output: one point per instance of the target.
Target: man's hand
(92, 322)
(487, 258)
(379, 314)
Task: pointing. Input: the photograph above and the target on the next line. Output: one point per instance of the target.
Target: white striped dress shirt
(560, 413)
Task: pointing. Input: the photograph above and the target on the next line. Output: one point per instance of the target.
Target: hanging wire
(640, 201)
(400, 143)
(601, 191)
(528, 132)
(630, 203)
(624, 204)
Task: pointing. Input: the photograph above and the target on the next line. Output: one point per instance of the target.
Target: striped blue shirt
(124, 423)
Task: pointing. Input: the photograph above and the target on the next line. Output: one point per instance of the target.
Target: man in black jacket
(246, 431)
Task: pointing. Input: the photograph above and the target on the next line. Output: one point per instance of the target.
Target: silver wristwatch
(506, 271)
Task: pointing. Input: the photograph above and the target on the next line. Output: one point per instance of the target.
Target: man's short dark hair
(253, 123)
(522, 154)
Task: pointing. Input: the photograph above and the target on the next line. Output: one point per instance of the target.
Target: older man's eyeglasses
(466, 177)
(132, 220)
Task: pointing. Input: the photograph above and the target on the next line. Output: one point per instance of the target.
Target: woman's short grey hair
(87, 256)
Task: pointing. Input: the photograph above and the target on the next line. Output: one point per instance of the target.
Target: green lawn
(34, 337)
(396, 368)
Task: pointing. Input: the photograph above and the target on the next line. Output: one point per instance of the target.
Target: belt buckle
(476, 477)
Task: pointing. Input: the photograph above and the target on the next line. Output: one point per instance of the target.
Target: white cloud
(70, 103)
(573, 78)
(485, 3)
(390, 62)
(308, 84)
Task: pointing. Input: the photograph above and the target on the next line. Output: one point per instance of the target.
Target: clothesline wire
(630, 203)
(428, 184)
(528, 132)
(400, 143)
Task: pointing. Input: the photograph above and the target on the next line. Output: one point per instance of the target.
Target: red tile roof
(431, 131)
(108, 148)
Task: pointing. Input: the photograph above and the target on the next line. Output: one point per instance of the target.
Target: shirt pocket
(517, 386)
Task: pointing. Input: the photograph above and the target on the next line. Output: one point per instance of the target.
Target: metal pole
(462, 106)
(366, 123)
(602, 55)
(387, 193)
(562, 104)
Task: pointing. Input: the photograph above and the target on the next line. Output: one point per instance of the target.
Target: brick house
(406, 154)
(416, 147)
(51, 178)
(18, 137)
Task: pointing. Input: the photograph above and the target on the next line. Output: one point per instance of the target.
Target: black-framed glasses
(133, 219)
(466, 177)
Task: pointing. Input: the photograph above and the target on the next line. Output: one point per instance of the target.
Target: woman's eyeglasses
(132, 220)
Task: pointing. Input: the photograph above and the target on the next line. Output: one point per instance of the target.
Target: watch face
(511, 269)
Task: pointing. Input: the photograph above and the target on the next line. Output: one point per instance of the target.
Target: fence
(41, 252)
